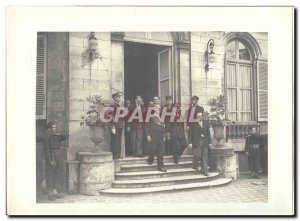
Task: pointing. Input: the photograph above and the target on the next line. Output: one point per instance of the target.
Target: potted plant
(217, 116)
(92, 118)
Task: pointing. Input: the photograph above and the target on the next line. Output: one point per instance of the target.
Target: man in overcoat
(155, 134)
(200, 141)
(169, 107)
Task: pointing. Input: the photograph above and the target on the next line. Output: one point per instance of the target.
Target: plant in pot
(93, 119)
(217, 116)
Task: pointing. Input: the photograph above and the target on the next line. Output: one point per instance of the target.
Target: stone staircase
(137, 177)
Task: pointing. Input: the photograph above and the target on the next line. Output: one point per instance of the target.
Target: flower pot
(218, 132)
(96, 134)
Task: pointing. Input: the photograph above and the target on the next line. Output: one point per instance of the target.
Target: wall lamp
(209, 52)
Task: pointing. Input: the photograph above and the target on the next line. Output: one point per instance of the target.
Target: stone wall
(207, 84)
(91, 79)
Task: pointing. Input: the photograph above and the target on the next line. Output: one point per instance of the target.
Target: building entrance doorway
(147, 69)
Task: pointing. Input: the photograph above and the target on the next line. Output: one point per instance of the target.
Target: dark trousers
(178, 146)
(254, 159)
(204, 158)
(116, 143)
(167, 147)
(128, 150)
(156, 147)
(53, 174)
(136, 135)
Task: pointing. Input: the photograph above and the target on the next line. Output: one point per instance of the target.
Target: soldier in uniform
(155, 130)
(169, 107)
(252, 150)
(136, 129)
(116, 127)
(177, 136)
(200, 141)
(51, 144)
(194, 108)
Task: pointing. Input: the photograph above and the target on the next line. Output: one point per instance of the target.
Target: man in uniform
(194, 108)
(169, 106)
(177, 135)
(200, 141)
(128, 150)
(116, 127)
(252, 150)
(136, 128)
(154, 130)
(53, 164)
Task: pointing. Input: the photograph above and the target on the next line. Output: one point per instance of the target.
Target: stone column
(96, 172)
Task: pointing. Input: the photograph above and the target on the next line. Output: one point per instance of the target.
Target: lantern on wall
(209, 53)
(91, 53)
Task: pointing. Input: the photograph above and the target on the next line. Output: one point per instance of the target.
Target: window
(41, 72)
(239, 82)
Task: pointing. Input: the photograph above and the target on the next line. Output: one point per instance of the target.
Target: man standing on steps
(199, 140)
(136, 128)
(195, 108)
(177, 135)
(252, 150)
(155, 134)
(168, 106)
(116, 128)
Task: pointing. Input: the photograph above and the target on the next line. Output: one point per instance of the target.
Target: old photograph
(152, 116)
(133, 111)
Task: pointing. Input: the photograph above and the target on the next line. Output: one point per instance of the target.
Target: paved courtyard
(244, 190)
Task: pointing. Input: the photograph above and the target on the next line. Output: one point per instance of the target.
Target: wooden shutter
(164, 72)
(41, 73)
(262, 86)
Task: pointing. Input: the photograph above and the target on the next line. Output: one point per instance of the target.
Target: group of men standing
(157, 135)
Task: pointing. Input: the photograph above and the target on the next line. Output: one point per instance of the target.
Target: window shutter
(262, 86)
(41, 71)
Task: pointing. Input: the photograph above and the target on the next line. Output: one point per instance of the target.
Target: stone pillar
(96, 172)
(117, 70)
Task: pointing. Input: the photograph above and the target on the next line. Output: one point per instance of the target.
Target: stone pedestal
(96, 172)
(223, 159)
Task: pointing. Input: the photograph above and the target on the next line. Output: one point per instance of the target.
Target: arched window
(239, 81)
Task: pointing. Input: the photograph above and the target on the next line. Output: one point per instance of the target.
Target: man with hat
(116, 127)
(169, 107)
(136, 127)
(195, 108)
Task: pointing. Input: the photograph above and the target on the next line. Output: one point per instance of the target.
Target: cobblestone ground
(244, 190)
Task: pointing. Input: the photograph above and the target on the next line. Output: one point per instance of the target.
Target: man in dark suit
(136, 127)
(128, 150)
(155, 134)
(116, 127)
(195, 108)
(177, 135)
(253, 147)
(169, 106)
(200, 141)
(52, 151)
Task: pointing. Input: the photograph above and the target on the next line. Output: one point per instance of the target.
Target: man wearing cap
(253, 147)
(116, 127)
(155, 130)
(200, 141)
(54, 165)
(169, 106)
(136, 128)
(194, 108)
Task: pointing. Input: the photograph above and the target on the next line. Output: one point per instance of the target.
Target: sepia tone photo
(152, 116)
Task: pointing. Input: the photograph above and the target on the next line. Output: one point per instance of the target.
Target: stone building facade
(176, 63)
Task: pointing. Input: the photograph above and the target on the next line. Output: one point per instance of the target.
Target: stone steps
(145, 167)
(200, 185)
(141, 160)
(166, 181)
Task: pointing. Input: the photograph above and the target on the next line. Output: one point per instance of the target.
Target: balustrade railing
(239, 130)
